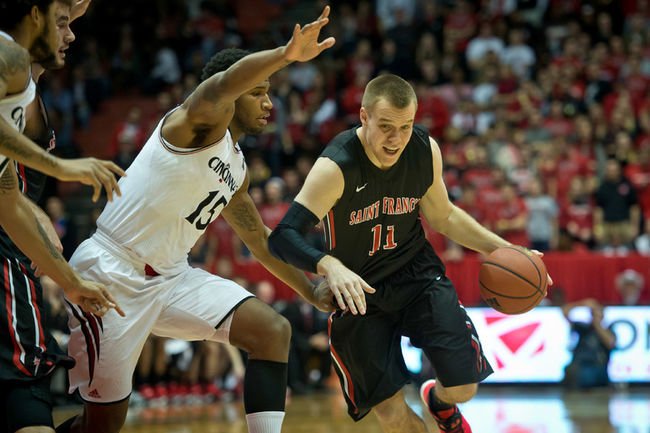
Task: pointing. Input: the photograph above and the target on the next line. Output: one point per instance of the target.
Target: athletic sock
(265, 422)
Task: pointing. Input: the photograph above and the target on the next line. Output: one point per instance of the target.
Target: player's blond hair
(395, 90)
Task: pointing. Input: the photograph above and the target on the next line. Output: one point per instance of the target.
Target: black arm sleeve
(287, 242)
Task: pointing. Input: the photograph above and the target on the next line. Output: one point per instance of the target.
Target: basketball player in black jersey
(369, 186)
(28, 353)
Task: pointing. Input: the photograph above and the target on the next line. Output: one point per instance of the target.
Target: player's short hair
(395, 90)
(13, 11)
(222, 61)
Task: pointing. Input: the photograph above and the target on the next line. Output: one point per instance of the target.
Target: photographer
(588, 366)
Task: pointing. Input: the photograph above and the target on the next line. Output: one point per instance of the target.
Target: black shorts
(418, 302)
(25, 404)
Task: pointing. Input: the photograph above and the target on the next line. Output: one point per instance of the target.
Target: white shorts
(193, 305)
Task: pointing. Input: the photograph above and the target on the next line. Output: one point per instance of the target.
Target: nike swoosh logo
(359, 188)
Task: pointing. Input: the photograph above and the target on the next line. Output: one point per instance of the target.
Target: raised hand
(304, 44)
(79, 8)
(92, 298)
(93, 172)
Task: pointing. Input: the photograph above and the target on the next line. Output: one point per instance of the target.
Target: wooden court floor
(493, 410)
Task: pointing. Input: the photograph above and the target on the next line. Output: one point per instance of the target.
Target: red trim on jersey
(9, 300)
(330, 223)
(339, 363)
(23, 177)
(90, 346)
(92, 321)
(41, 340)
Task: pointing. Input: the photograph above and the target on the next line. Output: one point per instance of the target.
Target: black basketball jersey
(375, 227)
(27, 349)
(30, 182)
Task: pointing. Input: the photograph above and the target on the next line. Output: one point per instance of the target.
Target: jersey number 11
(376, 239)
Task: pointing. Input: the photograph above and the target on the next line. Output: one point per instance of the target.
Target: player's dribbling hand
(548, 276)
(93, 298)
(93, 172)
(348, 288)
(303, 45)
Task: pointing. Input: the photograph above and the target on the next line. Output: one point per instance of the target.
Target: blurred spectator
(576, 219)
(518, 55)
(309, 340)
(127, 138)
(617, 215)
(59, 101)
(126, 63)
(542, 218)
(510, 216)
(588, 366)
(630, 285)
(460, 25)
(166, 70)
(274, 207)
(394, 12)
(482, 44)
(150, 377)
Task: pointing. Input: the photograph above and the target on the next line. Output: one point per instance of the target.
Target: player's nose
(267, 105)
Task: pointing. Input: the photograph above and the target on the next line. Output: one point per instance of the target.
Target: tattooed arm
(22, 226)
(244, 218)
(14, 75)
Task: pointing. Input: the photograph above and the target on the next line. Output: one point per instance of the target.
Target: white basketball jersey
(13, 107)
(169, 197)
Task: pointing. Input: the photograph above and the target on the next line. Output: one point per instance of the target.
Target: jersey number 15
(195, 217)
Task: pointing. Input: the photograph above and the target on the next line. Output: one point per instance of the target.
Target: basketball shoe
(449, 420)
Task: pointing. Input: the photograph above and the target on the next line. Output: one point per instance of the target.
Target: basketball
(513, 280)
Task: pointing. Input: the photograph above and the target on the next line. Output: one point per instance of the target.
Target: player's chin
(255, 129)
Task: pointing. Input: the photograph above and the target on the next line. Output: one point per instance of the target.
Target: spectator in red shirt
(510, 217)
(274, 207)
(576, 219)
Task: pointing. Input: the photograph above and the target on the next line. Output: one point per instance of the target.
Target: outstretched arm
(453, 222)
(14, 73)
(18, 220)
(211, 105)
(450, 220)
(244, 218)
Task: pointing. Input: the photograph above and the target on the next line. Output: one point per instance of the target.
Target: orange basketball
(513, 280)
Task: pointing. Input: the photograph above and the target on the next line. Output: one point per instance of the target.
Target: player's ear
(37, 16)
(363, 115)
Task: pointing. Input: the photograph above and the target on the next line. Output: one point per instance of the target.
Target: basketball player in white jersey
(189, 172)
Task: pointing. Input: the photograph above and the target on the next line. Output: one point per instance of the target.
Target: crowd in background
(541, 109)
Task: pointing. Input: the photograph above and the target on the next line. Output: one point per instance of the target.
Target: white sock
(265, 422)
